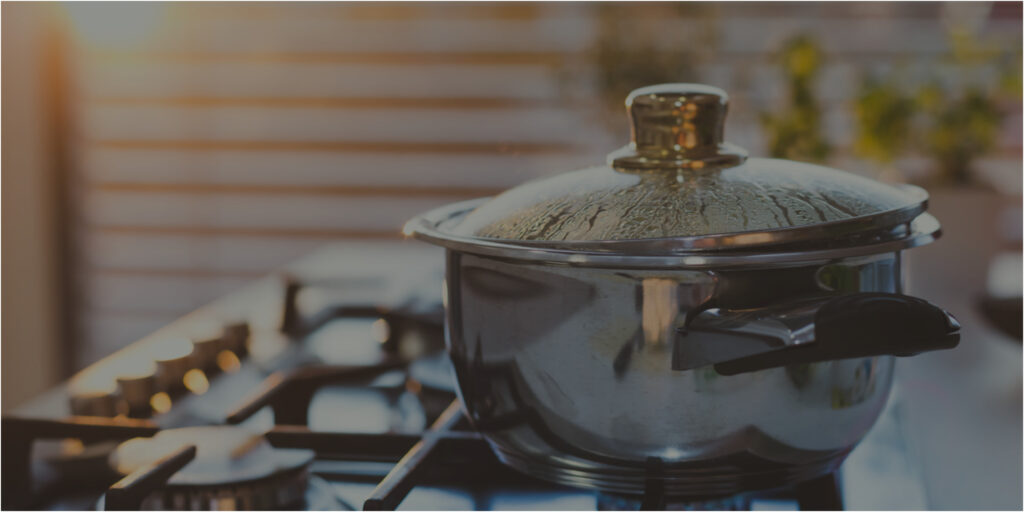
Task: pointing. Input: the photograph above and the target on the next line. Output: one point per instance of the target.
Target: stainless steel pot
(704, 359)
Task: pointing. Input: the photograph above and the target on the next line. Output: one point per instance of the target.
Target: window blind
(215, 142)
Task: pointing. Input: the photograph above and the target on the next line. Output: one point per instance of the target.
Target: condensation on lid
(601, 203)
(679, 178)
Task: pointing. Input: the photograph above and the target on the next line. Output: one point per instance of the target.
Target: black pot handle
(861, 325)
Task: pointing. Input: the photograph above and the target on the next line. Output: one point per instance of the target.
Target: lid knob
(677, 126)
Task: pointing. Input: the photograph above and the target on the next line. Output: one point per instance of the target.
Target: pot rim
(919, 229)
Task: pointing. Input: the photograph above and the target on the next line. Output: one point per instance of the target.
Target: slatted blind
(228, 139)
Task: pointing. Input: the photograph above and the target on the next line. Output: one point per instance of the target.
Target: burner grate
(21, 434)
(448, 454)
(437, 457)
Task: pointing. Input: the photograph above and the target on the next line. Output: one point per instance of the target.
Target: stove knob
(137, 391)
(94, 404)
(207, 341)
(205, 351)
(174, 359)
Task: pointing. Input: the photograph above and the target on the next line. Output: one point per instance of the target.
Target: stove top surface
(327, 387)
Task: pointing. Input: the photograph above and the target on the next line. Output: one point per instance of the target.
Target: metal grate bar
(130, 491)
(390, 492)
(821, 493)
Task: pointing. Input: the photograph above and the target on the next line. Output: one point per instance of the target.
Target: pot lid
(678, 182)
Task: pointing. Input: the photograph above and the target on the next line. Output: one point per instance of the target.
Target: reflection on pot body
(569, 370)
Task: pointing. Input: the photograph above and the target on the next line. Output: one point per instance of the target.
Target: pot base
(693, 481)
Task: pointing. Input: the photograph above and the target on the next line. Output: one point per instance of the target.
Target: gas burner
(233, 469)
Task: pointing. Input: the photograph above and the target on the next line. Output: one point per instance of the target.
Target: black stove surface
(351, 368)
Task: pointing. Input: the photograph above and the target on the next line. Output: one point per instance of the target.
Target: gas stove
(326, 387)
